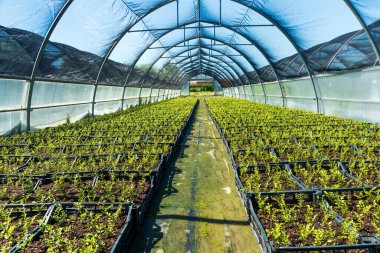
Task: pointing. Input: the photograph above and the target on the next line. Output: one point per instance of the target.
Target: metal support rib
(365, 28)
(182, 52)
(219, 51)
(213, 72)
(294, 44)
(251, 41)
(39, 58)
(117, 41)
(341, 48)
(178, 75)
(138, 20)
(201, 47)
(261, 50)
(216, 69)
(217, 73)
(229, 76)
(231, 46)
(168, 2)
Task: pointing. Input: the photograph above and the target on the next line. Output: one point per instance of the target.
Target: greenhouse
(189, 126)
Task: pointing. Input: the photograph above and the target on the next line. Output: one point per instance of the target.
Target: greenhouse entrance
(202, 85)
(197, 207)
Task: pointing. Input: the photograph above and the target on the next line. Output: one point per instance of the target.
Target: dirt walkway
(197, 208)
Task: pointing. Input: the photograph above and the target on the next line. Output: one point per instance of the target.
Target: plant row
(81, 199)
(281, 155)
(99, 143)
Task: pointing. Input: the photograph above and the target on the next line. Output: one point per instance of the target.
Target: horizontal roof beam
(218, 55)
(197, 27)
(217, 44)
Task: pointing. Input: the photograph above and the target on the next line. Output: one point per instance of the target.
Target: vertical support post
(140, 95)
(283, 93)
(253, 92)
(150, 95)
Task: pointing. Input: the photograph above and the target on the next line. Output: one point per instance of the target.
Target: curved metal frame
(335, 54)
(365, 28)
(227, 63)
(134, 65)
(40, 53)
(221, 78)
(258, 47)
(231, 46)
(221, 69)
(140, 18)
(186, 50)
(294, 44)
(175, 77)
(219, 75)
(179, 75)
(210, 71)
(202, 47)
(281, 29)
(227, 75)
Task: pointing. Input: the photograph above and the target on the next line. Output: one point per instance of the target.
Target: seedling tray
(337, 153)
(27, 215)
(309, 198)
(121, 239)
(12, 164)
(13, 187)
(369, 174)
(360, 202)
(268, 177)
(323, 175)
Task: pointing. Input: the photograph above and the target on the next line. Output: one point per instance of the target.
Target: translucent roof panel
(23, 26)
(369, 10)
(33, 16)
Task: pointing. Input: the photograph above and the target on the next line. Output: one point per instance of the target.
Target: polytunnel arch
(39, 57)
(229, 63)
(206, 71)
(365, 28)
(203, 47)
(224, 70)
(186, 49)
(140, 12)
(262, 51)
(235, 49)
(147, 71)
(240, 52)
(217, 75)
(131, 27)
(270, 19)
(157, 39)
(193, 64)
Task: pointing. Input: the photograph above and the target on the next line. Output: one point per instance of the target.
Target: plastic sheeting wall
(131, 96)
(353, 95)
(12, 105)
(55, 103)
(300, 94)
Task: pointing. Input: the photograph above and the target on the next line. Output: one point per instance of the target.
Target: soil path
(197, 208)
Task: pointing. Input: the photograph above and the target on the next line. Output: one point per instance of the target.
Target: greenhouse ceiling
(165, 43)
